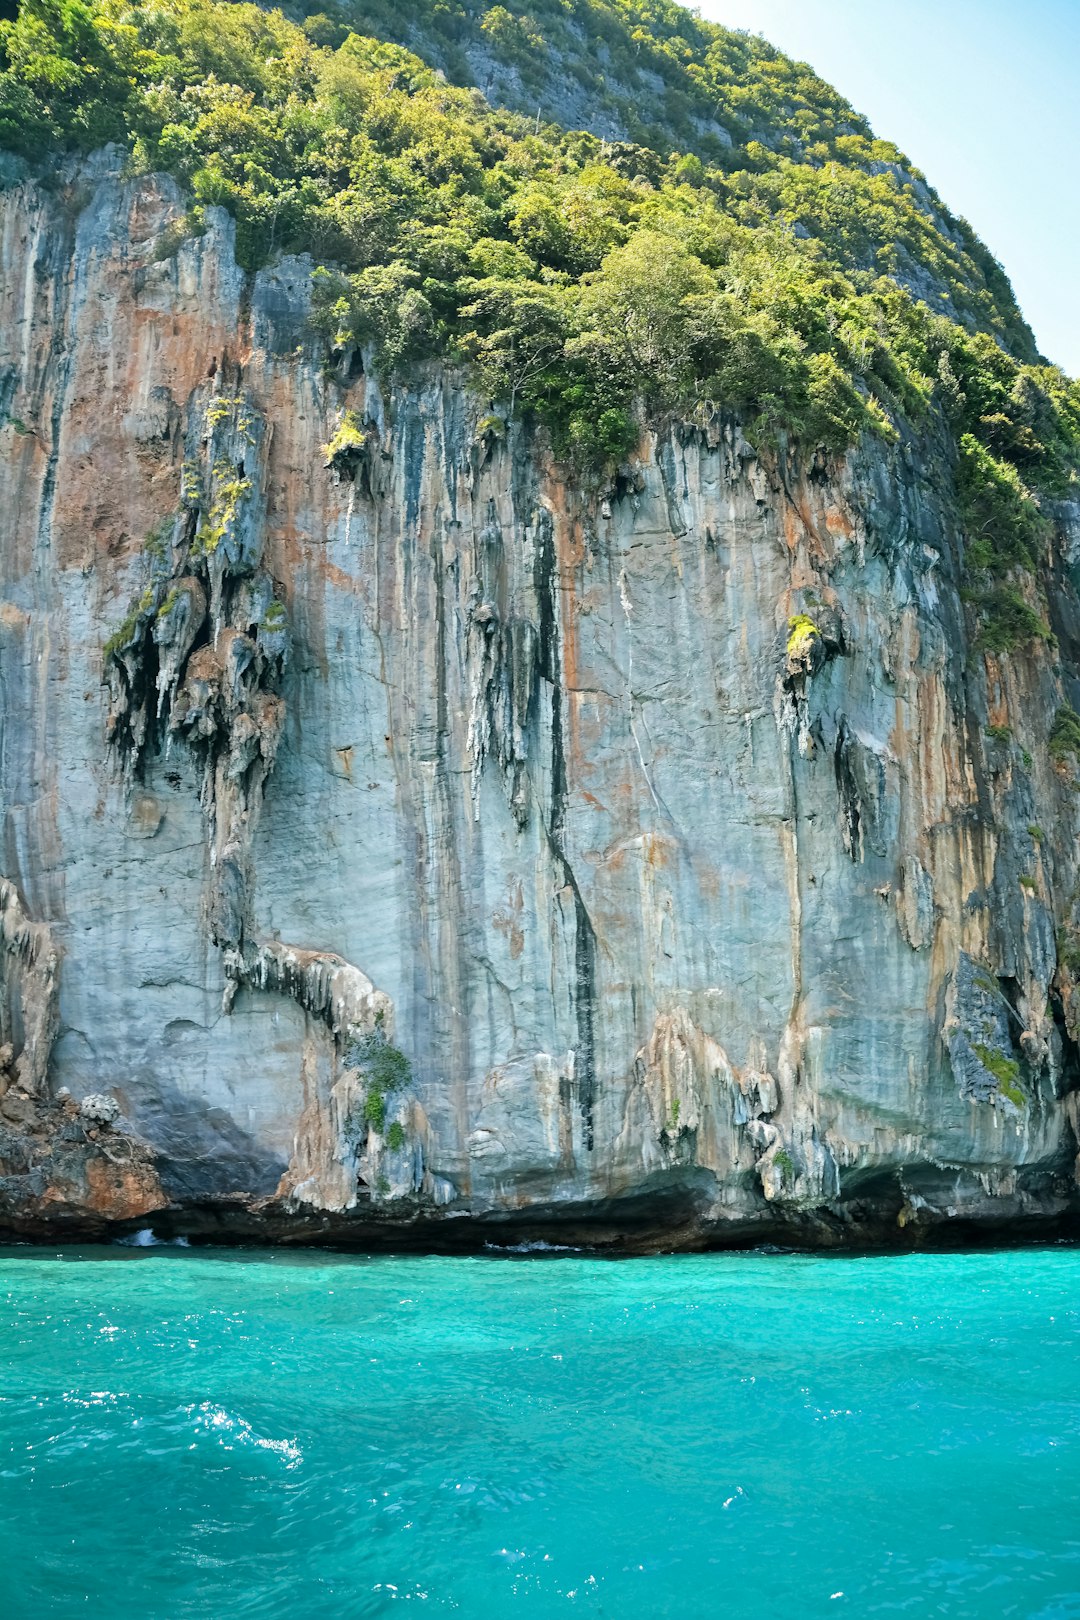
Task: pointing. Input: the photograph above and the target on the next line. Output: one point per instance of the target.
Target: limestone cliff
(394, 832)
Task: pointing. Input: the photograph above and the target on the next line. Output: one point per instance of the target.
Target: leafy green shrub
(1068, 950)
(1004, 525)
(1064, 737)
(385, 1069)
(125, 632)
(347, 446)
(491, 427)
(374, 1110)
(1007, 620)
(185, 229)
(517, 37)
(228, 496)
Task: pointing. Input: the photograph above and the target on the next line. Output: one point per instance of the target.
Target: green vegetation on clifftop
(753, 248)
(653, 74)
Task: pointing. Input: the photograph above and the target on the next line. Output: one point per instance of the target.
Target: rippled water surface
(207, 1434)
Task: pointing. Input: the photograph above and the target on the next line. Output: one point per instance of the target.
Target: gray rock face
(404, 834)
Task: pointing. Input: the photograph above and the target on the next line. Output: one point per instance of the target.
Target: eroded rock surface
(397, 832)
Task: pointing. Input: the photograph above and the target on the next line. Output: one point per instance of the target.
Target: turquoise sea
(211, 1434)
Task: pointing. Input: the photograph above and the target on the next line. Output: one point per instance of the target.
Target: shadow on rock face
(201, 1153)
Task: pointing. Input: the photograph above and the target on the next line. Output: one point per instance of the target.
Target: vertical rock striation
(395, 831)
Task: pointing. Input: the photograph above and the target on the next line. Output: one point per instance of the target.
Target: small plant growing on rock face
(190, 485)
(176, 233)
(171, 599)
(220, 408)
(374, 1110)
(146, 604)
(1005, 1070)
(802, 632)
(157, 544)
(1007, 619)
(805, 650)
(395, 1136)
(490, 427)
(223, 513)
(385, 1069)
(1027, 882)
(1001, 734)
(1064, 742)
(125, 631)
(346, 449)
(785, 1164)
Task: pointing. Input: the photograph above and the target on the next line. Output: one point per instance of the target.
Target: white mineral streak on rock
(656, 907)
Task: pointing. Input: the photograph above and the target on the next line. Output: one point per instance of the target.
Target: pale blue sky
(984, 96)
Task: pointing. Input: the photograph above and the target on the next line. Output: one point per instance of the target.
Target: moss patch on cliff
(1005, 1070)
(128, 628)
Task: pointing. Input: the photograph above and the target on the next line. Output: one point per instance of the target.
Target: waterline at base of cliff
(188, 1433)
(672, 1216)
